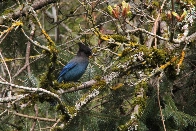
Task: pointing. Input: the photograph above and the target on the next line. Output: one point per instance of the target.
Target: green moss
(139, 57)
(100, 83)
(164, 17)
(57, 129)
(140, 89)
(190, 2)
(156, 4)
(65, 86)
(72, 110)
(46, 80)
(119, 38)
(7, 11)
(125, 52)
(159, 56)
(154, 13)
(130, 123)
(134, 39)
(115, 69)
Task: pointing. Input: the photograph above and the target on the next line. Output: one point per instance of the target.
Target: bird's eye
(88, 52)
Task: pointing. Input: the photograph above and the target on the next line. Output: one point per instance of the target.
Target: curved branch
(32, 89)
(22, 11)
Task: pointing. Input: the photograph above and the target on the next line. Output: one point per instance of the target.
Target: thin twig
(9, 93)
(6, 66)
(35, 42)
(34, 117)
(36, 114)
(56, 123)
(5, 111)
(172, 23)
(155, 28)
(145, 31)
(158, 98)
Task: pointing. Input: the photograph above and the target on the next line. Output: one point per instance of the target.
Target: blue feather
(66, 68)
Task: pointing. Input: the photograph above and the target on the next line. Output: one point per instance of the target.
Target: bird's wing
(68, 67)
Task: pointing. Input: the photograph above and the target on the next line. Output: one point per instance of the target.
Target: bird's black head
(84, 50)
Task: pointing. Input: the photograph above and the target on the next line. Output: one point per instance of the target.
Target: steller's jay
(77, 66)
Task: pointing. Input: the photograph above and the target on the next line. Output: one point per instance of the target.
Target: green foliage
(174, 118)
(179, 119)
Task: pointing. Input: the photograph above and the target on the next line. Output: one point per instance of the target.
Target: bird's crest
(85, 49)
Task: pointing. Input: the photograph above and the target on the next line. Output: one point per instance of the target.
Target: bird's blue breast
(73, 70)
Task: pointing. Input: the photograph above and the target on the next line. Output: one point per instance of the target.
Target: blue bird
(77, 66)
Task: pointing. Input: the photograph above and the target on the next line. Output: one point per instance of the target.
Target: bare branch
(36, 114)
(22, 11)
(56, 123)
(145, 31)
(155, 28)
(11, 98)
(6, 66)
(35, 42)
(34, 117)
(27, 64)
(158, 97)
(32, 89)
(5, 111)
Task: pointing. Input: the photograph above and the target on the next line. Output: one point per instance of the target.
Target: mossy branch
(24, 9)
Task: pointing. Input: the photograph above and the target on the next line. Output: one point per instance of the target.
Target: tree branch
(23, 11)
(155, 28)
(27, 63)
(12, 98)
(83, 86)
(32, 89)
(34, 117)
